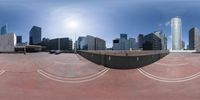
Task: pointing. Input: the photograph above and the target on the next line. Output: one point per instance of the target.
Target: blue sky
(102, 18)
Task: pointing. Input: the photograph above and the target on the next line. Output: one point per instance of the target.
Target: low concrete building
(8, 42)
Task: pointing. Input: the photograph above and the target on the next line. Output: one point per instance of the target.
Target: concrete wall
(122, 62)
(7, 42)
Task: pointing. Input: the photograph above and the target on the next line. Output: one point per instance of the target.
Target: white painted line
(171, 65)
(2, 71)
(79, 78)
(64, 63)
(73, 81)
(175, 80)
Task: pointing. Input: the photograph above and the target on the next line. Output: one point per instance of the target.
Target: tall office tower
(140, 40)
(163, 38)
(123, 36)
(176, 31)
(194, 41)
(4, 29)
(19, 39)
(153, 41)
(35, 35)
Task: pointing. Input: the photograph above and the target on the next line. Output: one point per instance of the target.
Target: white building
(91, 43)
(176, 31)
(7, 42)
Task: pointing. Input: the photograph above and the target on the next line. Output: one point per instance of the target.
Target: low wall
(122, 62)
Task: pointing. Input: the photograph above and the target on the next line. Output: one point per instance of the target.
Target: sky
(105, 19)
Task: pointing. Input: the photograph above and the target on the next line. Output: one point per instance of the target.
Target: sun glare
(72, 24)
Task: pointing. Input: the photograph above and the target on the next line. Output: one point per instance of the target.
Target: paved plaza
(43, 76)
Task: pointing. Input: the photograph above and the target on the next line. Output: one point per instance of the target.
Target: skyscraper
(194, 41)
(19, 39)
(163, 38)
(176, 31)
(153, 41)
(4, 29)
(35, 35)
(140, 40)
(123, 36)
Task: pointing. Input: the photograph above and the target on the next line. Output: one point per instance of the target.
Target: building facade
(152, 42)
(163, 38)
(194, 39)
(140, 41)
(123, 43)
(4, 29)
(132, 43)
(35, 35)
(7, 42)
(90, 43)
(100, 44)
(176, 31)
(19, 39)
(58, 44)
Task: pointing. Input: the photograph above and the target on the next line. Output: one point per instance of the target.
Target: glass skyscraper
(35, 35)
(176, 31)
(4, 29)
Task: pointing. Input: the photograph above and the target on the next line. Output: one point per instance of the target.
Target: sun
(72, 24)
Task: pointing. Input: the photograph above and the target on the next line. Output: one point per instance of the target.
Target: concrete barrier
(122, 62)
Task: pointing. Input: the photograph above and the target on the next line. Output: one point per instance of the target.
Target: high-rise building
(194, 40)
(123, 36)
(78, 43)
(123, 43)
(140, 41)
(35, 35)
(4, 29)
(152, 42)
(116, 45)
(132, 43)
(19, 39)
(176, 31)
(163, 38)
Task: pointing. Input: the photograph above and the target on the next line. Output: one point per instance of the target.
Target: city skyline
(104, 19)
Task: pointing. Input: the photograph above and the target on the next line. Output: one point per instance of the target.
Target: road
(42, 76)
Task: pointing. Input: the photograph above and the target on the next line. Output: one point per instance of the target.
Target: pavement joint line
(77, 81)
(169, 80)
(93, 75)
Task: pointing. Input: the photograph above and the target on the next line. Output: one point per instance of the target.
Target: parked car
(52, 51)
(57, 52)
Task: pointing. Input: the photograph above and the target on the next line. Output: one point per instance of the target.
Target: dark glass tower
(35, 35)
